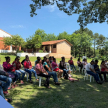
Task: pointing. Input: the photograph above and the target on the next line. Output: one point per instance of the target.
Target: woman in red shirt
(17, 69)
(104, 70)
(72, 64)
(28, 68)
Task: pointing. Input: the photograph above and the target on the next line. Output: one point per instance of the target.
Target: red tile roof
(55, 42)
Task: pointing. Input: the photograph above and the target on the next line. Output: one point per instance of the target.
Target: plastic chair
(87, 75)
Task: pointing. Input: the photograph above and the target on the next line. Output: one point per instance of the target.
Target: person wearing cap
(90, 70)
(28, 68)
(62, 66)
(17, 69)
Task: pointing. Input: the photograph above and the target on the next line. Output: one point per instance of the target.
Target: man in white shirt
(90, 70)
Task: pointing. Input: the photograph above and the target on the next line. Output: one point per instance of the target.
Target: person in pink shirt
(42, 72)
(84, 62)
(55, 68)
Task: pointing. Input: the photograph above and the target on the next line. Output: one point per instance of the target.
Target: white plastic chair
(87, 75)
(68, 67)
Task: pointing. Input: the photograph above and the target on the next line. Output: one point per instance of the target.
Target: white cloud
(52, 8)
(17, 26)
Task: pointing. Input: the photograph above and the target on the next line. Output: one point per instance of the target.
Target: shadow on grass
(81, 94)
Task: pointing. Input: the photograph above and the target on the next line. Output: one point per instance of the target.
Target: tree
(42, 34)
(51, 37)
(95, 38)
(36, 41)
(14, 40)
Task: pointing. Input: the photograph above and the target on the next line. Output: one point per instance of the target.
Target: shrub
(40, 51)
(9, 53)
(20, 51)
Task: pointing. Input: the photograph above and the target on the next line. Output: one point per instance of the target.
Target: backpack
(66, 76)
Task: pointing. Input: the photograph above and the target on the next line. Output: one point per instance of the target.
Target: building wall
(63, 48)
(4, 48)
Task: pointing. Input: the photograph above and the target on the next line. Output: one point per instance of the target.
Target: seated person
(24, 60)
(55, 68)
(4, 76)
(42, 72)
(84, 62)
(62, 66)
(36, 61)
(90, 70)
(97, 70)
(51, 59)
(2, 85)
(104, 70)
(50, 72)
(79, 64)
(44, 59)
(106, 63)
(8, 68)
(28, 68)
(17, 69)
(72, 64)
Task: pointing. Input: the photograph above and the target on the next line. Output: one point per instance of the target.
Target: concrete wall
(63, 48)
(33, 54)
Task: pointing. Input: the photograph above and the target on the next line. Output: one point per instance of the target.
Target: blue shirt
(95, 66)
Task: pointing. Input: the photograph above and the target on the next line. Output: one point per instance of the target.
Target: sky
(15, 19)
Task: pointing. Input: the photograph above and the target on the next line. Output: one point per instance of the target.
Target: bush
(40, 51)
(20, 51)
(10, 53)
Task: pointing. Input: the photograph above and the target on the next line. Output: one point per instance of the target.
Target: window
(54, 46)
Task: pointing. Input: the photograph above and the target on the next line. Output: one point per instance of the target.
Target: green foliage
(9, 53)
(51, 37)
(40, 51)
(14, 40)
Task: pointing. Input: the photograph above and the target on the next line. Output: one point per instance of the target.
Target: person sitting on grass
(104, 70)
(72, 64)
(62, 66)
(79, 64)
(17, 69)
(8, 68)
(97, 70)
(28, 68)
(42, 72)
(56, 69)
(90, 70)
(2, 85)
(50, 72)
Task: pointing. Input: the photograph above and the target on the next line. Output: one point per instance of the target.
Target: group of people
(93, 69)
(10, 74)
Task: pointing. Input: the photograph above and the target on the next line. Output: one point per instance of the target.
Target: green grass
(82, 94)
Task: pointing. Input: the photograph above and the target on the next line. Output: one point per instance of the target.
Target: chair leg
(27, 76)
(90, 78)
(39, 81)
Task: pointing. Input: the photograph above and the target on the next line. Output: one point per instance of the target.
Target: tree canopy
(89, 10)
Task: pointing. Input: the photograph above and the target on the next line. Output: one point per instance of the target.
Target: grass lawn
(82, 94)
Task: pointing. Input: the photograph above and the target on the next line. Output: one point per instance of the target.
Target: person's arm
(30, 67)
(48, 68)
(92, 69)
(7, 67)
(3, 73)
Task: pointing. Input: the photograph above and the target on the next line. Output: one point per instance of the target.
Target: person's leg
(54, 76)
(32, 70)
(23, 74)
(1, 92)
(7, 80)
(100, 76)
(28, 71)
(18, 74)
(104, 73)
(96, 77)
(47, 78)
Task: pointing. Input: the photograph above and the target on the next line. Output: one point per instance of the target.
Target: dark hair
(54, 58)
(96, 61)
(71, 58)
(7, 57)
(26, 56)
(50, 57)
(38, 57)
(78, 59)
(62, 58)
(84, 59)
(17, 57)
(102, 62)
(38, 60)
